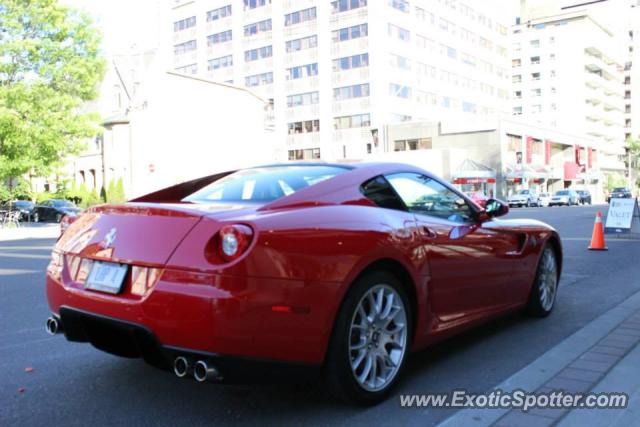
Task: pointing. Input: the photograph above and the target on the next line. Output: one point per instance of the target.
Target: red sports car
(294, 270)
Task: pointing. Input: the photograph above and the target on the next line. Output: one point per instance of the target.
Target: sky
(124, 23)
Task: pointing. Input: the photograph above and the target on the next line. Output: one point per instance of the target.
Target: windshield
(562, 193)
(261, 185)
(23, 204)
(62, 204)
(620, 189)
(523, 192)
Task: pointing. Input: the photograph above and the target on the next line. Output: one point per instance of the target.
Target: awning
(470, 169)
(526, 171)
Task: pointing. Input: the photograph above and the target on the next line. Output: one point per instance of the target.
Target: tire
(355, 345)
(544, 290)
(36, 217)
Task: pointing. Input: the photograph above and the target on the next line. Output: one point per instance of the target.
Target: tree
(49, 65)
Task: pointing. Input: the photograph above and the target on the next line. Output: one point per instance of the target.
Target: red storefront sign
(547, 151)
(571, 170)
(474, 181)
(578, 154)
(529, 149)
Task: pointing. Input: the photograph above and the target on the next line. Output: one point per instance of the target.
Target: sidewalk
(604, 356)
(30, 231)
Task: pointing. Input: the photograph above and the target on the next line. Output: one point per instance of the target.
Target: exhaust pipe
(203, 372)
(181, 366)
(53, 326)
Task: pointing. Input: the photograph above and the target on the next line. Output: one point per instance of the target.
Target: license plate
(106, 277)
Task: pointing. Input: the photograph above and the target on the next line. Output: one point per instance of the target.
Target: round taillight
(234, 241)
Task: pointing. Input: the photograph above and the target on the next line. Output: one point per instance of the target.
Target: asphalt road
(74, 384)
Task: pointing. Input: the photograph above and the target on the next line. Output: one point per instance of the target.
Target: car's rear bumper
(129, 339)
(256, 318)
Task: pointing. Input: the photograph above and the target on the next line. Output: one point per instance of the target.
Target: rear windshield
(262, 185)
(620, 189)
(562, 193)
(524, 192)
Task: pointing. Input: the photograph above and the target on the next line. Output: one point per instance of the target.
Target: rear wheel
(542, 297)
(370, 340)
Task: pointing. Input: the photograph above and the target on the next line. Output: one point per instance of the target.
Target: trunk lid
(135, 233)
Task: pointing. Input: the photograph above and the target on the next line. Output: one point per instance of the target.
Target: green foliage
(50, 65)
(20, 190)
(615, 180)
(115, 192)
(43, 196)
(5, 194)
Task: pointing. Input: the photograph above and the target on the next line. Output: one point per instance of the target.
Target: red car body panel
(279, 300)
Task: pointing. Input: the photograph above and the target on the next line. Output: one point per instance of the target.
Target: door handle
(428, 232)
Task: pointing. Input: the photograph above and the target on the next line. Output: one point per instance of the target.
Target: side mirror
(495, 208)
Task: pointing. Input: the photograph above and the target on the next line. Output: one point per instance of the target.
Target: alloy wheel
(548, 279)
(378, 337)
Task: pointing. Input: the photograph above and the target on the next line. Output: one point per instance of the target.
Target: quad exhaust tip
(53, 326)
(203, 372)
(181, 366)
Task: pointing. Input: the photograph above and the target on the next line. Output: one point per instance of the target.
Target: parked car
(544, 199)
(24, 206)
(54, 210)
(564, 198)
(585, 197)
(478, 197)
(524, 197)
(224, 277)
(619, 193)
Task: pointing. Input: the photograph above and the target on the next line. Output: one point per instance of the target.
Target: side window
(380, 192)
(426, 196)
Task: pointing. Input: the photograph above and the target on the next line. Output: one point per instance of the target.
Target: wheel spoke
(358, 360)
(360, 345)
(388, 306)
(366, 370)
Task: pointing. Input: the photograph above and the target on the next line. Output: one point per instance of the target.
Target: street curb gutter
(550, 363)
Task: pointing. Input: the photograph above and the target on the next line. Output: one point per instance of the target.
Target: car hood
(518, 224)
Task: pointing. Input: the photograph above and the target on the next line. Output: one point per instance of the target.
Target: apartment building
(632, 76)
(568, 73)
(339, 72)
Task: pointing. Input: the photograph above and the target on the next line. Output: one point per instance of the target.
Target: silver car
(565, 198)
(524, 197)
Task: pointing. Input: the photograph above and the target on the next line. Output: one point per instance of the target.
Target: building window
(627, 108)
(252, 4)
(535, 60)
(399, 90)
(345, 5)
(222, 12)
(398, 61)
(300, 16)
(305, 126)
(516, 78)
(185, 47)
(304, 154)
(398, 32)
(301, 44)
(350, 92)
(259, 79)
(349, 62)
(258, 53)
(515, 63)
(514, 142)
(427, 98)
(535, 76)
(257, 27)
(469, 107)
(302, 71)
(183, 24)
(222, 62)
(536, 92)
(349, 33)
(534, 43)
(412, 144)
(355, 121)
(222, 37)
(517, 111)
(301, 99)
(468, 59)
(517, 94)
(401, 5)
(188, 69)
(536, 108)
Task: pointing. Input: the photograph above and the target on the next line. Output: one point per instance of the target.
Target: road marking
(21, 255)
(15, 271)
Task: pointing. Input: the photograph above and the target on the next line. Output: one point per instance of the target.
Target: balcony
(258, 66)
(184, 35)
(185, 58)
(220, 49)
(302, 29)
(351, 106)
(350, 47)
(352, 135)
(302, 112)
(305, 84)
(341, 18)
(303, 139)
(350, 76)
(305, 56)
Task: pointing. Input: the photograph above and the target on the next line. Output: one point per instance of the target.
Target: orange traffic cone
(597, 238)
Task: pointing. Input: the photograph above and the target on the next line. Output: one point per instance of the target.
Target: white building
(568, 73)
(162, 128)
(339, 71)
(632, 76)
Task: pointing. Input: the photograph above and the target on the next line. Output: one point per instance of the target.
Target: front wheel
(370, 340)
(543, 292)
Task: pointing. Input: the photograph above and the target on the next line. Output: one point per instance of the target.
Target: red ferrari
(292, 270)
